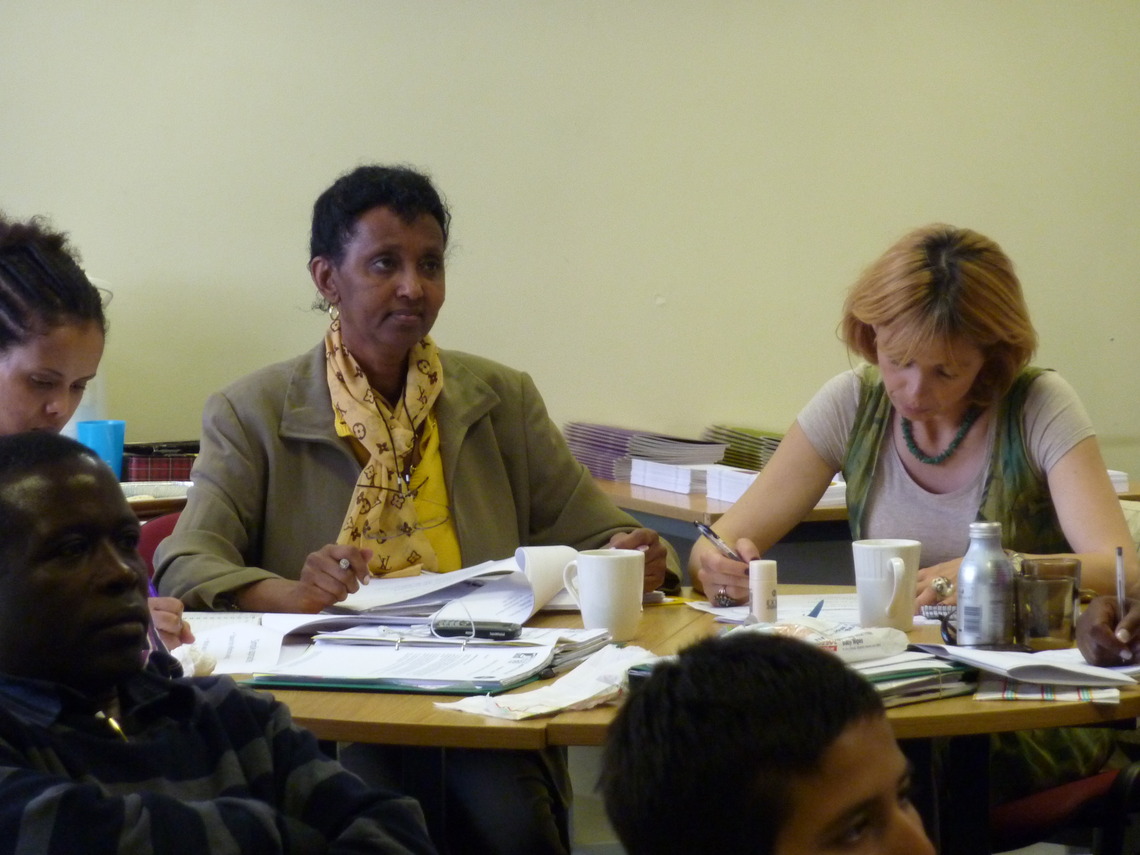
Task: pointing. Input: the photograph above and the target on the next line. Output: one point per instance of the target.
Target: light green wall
(658, 204)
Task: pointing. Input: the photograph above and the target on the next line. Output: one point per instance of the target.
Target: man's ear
(322, 270)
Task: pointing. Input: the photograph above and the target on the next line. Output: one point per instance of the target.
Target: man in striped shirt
(100, 754)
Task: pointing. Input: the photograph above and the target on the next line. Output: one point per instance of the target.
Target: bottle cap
(985, 528)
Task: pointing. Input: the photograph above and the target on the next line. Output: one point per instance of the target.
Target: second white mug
(607, 584)
(885, 572)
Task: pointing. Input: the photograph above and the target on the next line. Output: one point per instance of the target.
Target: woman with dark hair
(378, 452)
(52, 329)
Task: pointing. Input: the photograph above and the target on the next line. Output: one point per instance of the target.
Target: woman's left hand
(649, 542)
(925, 595)
(166, 615)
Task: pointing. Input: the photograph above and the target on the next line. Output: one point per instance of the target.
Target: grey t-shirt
(1054, 420)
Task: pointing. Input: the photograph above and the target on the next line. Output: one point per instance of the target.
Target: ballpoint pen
(721, 547)
(1121, 599)
(1120, 594)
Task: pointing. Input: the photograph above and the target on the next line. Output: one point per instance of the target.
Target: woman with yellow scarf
(377, 453)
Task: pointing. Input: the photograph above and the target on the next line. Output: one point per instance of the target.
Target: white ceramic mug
(885, 572)
(606, 584)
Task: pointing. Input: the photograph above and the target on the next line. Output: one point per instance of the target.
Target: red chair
(1104, 803)
(153, 533)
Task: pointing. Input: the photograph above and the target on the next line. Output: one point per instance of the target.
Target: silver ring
(942, 587)
(721, 599)
(345, 564)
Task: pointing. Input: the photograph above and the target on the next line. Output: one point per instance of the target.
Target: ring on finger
(721, 599)
(942, 587)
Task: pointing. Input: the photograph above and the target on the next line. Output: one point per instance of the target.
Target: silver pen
(1121, 599)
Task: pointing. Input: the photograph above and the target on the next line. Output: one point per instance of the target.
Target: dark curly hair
(41, 283)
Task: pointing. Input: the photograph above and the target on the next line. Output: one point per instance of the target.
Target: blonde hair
(940, 283)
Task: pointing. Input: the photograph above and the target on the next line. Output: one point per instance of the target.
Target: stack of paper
(674, 449)
(1119, 480)
(669, 476)
(727, 483)
(606, 450)
(911, 677)
(748, 448)
(835, 496)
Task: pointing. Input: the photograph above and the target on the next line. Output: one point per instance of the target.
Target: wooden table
(408, 719)
(412, 719)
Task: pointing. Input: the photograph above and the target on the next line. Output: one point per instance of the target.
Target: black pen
(721, 547)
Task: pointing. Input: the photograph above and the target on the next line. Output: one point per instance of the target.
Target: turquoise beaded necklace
(911, 446)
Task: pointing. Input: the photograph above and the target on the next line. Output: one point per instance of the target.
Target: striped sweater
(201, 766)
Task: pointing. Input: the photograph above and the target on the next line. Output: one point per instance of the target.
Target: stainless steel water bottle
(985, 590)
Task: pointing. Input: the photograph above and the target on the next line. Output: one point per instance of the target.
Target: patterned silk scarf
(382, 514)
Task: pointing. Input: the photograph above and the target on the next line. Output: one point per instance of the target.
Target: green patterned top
(1014, 494)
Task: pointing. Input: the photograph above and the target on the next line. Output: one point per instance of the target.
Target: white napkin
(600, 677)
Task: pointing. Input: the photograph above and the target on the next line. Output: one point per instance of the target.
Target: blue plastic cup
(105, 437)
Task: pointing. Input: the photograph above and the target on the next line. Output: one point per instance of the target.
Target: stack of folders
(412, 659)
(911, 677)
(602, 449)
(747, 448)
(446, 671)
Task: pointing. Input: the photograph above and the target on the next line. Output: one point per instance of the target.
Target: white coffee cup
(885, 572)
(607, 584)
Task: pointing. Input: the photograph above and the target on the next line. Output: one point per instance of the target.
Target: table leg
(951, 791)
(422, 775)
(964, 796)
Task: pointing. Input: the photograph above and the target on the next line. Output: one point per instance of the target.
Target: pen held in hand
(721, 547)
(1122, 635)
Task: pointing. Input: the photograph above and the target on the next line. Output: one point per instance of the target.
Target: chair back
(152, 533)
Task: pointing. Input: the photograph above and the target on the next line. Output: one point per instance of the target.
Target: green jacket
(273, 479)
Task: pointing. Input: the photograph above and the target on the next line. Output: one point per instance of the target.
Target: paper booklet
(511, 589)
(448, 670)
(1070, 670)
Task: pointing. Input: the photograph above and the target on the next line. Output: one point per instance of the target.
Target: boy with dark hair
(763, 744)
